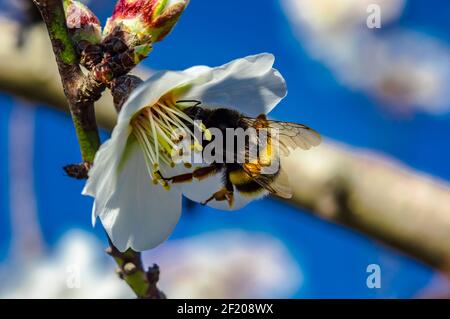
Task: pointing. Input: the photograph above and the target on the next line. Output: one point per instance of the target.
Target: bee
(248, 178)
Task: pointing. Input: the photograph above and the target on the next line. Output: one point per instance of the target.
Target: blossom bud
(144, 18)
(121, 63)
(83, 25)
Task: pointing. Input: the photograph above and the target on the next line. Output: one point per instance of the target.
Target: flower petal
(103, 175)
(134, 212)
(149, 92)
(139, 215)
(249, 85)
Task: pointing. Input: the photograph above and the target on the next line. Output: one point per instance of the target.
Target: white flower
(135, 211)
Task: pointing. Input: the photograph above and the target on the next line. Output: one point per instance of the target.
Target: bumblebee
(247, 178)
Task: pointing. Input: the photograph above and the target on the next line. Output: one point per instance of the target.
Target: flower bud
(145, 18)
(121, 63)
(83, 25)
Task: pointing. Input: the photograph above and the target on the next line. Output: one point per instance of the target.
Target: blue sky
(333, 258)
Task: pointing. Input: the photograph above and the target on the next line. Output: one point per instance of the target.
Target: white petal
(149, 92)
(249, 85)
(103, 175)
(94, 215)
(134, 212)
(199, 191)
(139, 214)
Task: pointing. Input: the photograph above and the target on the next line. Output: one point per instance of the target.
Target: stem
(143, 283)
(81, 95)
(81, 107)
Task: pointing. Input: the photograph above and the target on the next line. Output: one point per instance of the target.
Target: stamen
(174, 118)
(152, 124)
(157, 130)
(145, 143)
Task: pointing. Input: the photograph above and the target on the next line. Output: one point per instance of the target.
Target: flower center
(159, 129)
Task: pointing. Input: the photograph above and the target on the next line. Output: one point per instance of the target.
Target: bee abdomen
(244, 184)
(250, 189)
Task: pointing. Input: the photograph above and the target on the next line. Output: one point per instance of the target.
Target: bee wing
(290, 135)
(279, 187)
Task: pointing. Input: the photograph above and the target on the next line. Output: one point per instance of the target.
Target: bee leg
(225, 193)
(221, 195)
(199, 173)
(204, 172)
(175, 179)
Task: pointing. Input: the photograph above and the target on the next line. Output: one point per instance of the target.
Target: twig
(81, 93)
(131, 269)
(80, 105)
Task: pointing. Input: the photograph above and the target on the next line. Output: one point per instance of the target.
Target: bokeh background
(383, 89)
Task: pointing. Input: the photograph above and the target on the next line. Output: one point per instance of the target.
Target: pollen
(159, 129)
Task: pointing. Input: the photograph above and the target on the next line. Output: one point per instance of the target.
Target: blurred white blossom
(410, 69)
(403, 70)
(335, 16)
(227, 264)
(221, 264)
(77, 254)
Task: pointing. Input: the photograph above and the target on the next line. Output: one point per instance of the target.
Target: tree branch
(81, 93)
(80, 104)
(27, 71)
(378, 196)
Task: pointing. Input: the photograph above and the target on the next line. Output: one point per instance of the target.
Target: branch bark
(377, 196)
(81, 105)
(81, 93)
(373, 194)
